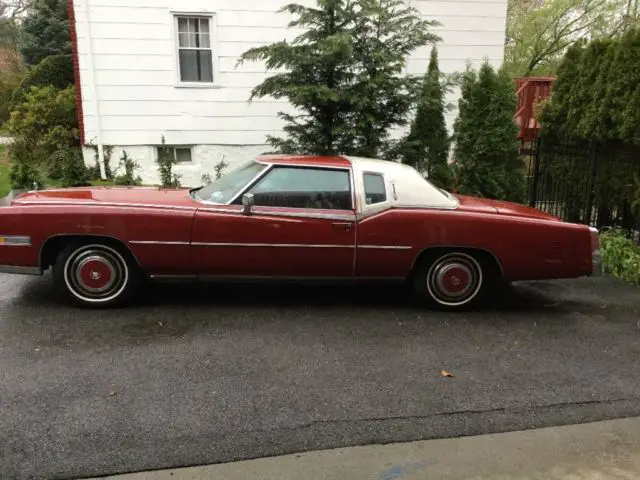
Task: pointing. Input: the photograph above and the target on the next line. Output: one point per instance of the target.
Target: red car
(290, 217)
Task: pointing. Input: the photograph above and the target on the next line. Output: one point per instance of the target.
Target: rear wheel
(95, 275)
(451, 280)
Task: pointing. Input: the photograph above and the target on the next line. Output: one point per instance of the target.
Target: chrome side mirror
(247, 202)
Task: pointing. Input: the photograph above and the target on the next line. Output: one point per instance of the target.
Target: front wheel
(95, 275)
(450, 281)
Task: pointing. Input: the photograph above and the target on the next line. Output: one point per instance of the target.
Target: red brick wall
(76, 67)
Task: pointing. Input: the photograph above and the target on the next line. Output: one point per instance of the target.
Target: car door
(302, 224)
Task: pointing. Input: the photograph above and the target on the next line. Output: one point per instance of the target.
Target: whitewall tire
(95, 275)
(451, 280)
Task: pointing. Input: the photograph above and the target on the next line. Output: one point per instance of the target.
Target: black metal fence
(598, 185)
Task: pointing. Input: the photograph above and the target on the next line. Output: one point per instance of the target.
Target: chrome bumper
(12, 269)
(596, 259)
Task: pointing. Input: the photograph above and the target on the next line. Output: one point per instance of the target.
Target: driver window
(304, 187)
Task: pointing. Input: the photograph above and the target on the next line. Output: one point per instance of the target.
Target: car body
(330, 218)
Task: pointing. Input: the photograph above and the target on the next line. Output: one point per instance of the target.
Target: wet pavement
(201, 375)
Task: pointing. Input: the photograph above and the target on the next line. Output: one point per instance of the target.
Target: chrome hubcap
(454, 279)
(96, 273)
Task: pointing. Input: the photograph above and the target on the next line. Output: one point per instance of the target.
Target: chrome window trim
(272, 166)
(349, 217)
(15, 241)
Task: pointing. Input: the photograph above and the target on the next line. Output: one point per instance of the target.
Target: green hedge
(56, 70)
(620, 256)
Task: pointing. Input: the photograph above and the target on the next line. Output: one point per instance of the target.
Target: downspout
(96, 103)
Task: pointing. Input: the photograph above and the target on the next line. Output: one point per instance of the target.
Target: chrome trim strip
(102, 204)
(157, 242)
(386, 247)
(15, 241)
(14, 270)
(276, 245)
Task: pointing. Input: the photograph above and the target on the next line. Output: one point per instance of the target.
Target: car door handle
(343, 225)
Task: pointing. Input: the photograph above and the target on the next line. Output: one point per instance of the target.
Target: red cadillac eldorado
(290, 217)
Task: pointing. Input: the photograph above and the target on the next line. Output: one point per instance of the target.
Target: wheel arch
(476, 252)
(53, 245)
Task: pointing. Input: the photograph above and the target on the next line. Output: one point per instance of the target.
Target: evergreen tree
(386, 32)
(486, 152)
(45, 31)
(426, 147)
(343, 74)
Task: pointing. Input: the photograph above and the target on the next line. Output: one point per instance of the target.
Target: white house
(148, 68)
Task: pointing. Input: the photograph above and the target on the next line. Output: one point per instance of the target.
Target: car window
(302, 187)
(229, 185)
(374, 189)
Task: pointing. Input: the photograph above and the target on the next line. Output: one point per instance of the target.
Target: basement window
(180, 154)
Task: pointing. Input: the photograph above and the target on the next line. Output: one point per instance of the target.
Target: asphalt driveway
(220, 373)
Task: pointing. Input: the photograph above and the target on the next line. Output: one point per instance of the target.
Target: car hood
(485, 205)
(120, 195)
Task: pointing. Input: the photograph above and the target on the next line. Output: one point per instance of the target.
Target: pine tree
(487, 162)
(382, 95)
(426, 147)
(343, 75)
(45, 31)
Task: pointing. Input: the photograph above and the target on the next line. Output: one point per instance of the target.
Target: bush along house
(149, 69)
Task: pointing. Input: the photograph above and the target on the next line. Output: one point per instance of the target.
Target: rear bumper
(596, 259)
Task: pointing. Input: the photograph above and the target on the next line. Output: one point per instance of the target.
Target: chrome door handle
(343, 225)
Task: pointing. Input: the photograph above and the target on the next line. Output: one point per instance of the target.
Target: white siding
(135, 75)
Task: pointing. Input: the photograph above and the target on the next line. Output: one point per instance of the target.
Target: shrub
(42, 125)
(130, 167)
(74, 171)
(620, 256)
(25, 174)
(56, 71)
(166, 161)
(107, 151)
(487, 162)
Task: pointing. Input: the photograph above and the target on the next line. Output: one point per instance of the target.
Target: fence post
(592, 182)
(536, 173)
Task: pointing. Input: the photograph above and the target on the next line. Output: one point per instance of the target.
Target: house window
(195, 56)
(300, 187)
(180, 154)
(374, 189)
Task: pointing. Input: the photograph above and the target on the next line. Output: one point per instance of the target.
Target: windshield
(224, 189)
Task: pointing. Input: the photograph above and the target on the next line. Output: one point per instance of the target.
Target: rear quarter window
(374, 188)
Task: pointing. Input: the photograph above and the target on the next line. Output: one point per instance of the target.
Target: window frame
(364, 189)
(213, 44)
(175, 153)
(238, 199)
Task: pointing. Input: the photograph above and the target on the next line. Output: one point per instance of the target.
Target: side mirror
(247, 202)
